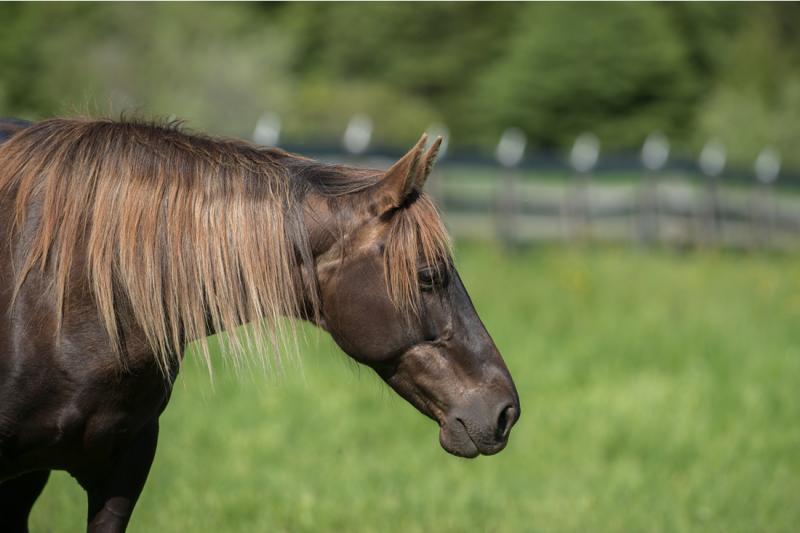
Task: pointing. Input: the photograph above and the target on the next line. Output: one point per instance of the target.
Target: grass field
(660, 392)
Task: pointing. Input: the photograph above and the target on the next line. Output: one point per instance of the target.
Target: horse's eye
(425, 279)
(430, 278)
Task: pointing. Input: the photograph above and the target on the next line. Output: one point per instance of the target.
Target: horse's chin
(455, 440)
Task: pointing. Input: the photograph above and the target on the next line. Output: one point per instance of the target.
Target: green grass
(660, 392)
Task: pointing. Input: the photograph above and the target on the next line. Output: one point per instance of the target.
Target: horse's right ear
(402, 178)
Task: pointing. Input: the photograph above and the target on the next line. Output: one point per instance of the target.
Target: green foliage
(216, 66)
(757, 98)
(320, 109)
(618, 70)
(692, 70)
(746, 121)
(434, 51)
(659, 393)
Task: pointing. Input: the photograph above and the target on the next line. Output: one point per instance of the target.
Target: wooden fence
(672, 209)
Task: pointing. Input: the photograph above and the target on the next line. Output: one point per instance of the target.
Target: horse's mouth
(456, 439)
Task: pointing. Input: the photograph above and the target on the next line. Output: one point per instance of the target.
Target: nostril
(505, 421)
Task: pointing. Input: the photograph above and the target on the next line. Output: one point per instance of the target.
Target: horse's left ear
(426, 164)
(407, 176)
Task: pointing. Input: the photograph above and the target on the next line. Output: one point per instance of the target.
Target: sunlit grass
(659, 393)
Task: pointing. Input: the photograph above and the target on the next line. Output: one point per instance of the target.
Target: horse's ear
(402, 178)
(426, 164)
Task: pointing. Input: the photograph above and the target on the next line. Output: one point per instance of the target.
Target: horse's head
(392, 299)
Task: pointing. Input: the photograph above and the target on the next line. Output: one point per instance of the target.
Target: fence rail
(667, 210)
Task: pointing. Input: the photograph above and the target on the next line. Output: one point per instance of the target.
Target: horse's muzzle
(480, 427)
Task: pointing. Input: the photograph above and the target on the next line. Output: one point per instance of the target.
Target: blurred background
(648, 123)
(623, 185)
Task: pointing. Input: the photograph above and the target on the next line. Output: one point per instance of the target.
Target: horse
(125, 240)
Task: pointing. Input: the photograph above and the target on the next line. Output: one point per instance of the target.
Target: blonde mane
(194, 234)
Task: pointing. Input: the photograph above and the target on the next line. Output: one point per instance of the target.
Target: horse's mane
(193, 234)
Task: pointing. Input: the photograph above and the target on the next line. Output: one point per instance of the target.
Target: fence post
(268, 130)
(509, 153)
(767, 167)
(357, 135)
(655, 152)
(712, 163)
(583, 157)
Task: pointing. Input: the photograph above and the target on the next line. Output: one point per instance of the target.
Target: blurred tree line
(622, 70)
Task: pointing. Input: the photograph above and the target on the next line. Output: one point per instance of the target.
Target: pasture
(660, 392)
